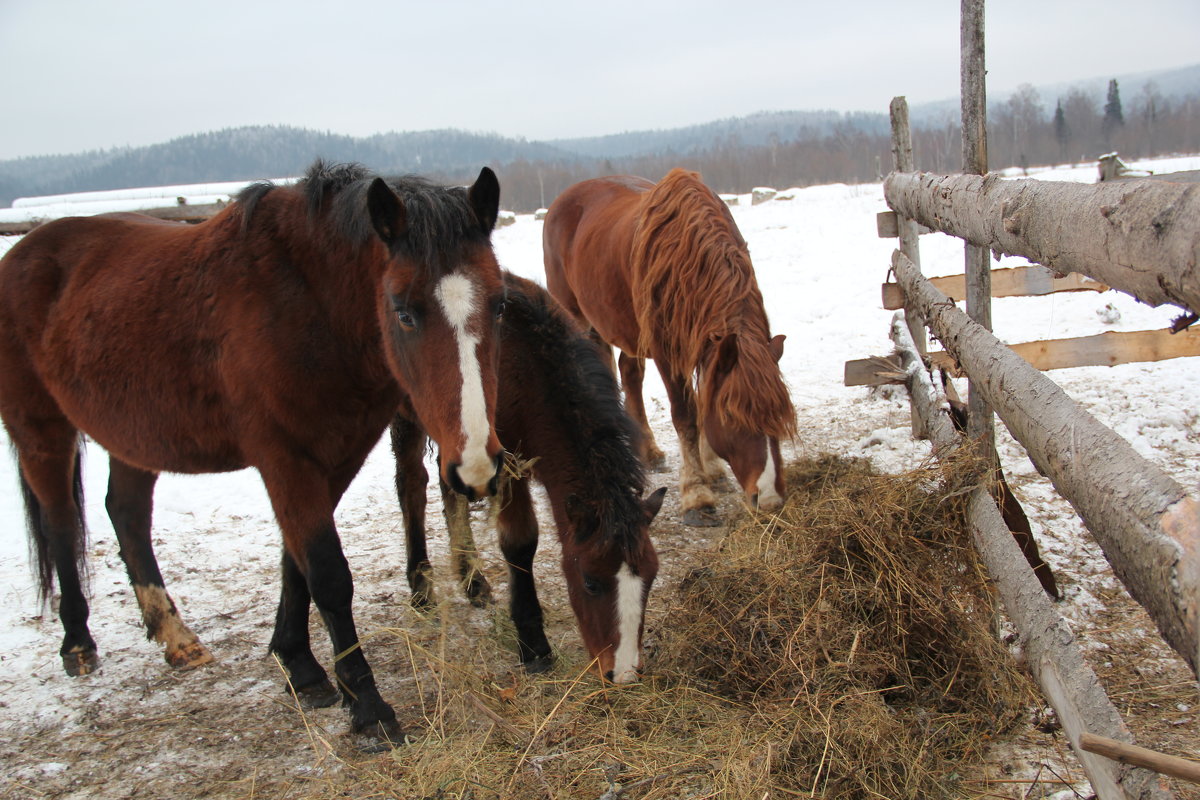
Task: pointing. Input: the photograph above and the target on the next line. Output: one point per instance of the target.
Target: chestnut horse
(661, 271)
(558, 407)
(282, 334)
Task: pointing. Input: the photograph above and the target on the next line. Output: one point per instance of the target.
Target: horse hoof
(423, 601)
(80, 663)
(384, 734)
(318, 695)
(538, 665)
(479, 592)
(189, 656)
(703, 517)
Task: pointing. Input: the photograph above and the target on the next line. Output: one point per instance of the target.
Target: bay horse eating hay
(282, 334)
(558, 407)
(661, 271)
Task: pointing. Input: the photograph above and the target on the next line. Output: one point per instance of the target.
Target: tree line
(780, 149)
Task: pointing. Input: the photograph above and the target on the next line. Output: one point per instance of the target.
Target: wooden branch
(1050, 647)
(1141, 757)
(1140, 236)
(1031, 281)
(1146, 523)
(1102, 350)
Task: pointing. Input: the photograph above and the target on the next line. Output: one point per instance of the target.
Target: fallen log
(1146, 523)
(1050, 648)
(1139, 236)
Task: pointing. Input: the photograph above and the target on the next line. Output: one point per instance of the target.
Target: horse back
(182, 347)
(587, 239)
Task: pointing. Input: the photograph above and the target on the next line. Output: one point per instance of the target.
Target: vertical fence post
(980, 425)
(902, 161)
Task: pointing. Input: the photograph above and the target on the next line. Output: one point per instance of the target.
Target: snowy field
(820, 266)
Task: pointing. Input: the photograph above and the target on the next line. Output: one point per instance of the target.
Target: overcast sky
(87, 74)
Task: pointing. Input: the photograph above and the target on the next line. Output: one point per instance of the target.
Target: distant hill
(734, 154)
(1181, 82)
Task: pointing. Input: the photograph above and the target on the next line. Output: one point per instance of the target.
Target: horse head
(442, 297)
(749, 446)
(609, 567)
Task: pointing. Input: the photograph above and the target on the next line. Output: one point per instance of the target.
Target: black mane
(441, 223)
(609, 476)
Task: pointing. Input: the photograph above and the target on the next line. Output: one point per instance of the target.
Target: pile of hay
(841, 649)
(860, 623)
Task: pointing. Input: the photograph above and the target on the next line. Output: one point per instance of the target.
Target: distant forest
(778, 149)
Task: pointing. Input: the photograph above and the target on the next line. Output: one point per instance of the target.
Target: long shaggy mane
(441, 225)
(586, 405)
(693, 285)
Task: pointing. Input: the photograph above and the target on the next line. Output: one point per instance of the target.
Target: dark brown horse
(559, 409)
(282, 334)
(661, 271)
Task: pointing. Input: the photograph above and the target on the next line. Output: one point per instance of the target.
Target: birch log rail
(1146, 523)
(1051, 649)
(1139, 236)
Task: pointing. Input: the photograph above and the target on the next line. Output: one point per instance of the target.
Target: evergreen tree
(1113, 118)
(1062, 134)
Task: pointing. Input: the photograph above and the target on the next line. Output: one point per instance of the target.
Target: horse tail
(41, 554)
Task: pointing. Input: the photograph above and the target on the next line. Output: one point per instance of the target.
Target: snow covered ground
(820, 266)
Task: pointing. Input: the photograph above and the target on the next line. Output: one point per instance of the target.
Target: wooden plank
(178, 213)
(1102, 350)
(887, 225)
(1031, 281)
(873, 371)
(1052, 651)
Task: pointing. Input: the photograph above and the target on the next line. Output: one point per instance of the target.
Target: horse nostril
(754, 500)
(609, 676)
(456, 483)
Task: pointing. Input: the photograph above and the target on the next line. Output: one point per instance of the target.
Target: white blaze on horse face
(630, 605)
(458, 298)
(768, 497)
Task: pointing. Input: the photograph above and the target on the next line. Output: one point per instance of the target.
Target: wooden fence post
(980, 423)
(902, 161)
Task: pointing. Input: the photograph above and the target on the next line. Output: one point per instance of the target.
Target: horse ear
(387, 211)
(484, 196)
(777, 347)
(727, 354)
(653, 504)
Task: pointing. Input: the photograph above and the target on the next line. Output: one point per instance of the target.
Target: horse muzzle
(478, 485)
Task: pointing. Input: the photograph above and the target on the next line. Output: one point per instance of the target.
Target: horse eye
(592, 586)
(500, 309)
(405, 318)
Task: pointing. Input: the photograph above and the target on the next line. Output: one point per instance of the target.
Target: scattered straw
(840, 649)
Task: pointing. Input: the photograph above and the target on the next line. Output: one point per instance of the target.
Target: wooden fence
(1139, 236)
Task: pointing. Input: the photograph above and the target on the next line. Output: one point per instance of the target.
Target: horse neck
(341, 275)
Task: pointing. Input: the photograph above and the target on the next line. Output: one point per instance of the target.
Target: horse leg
(130, 503)
(518, 542)
(633, 371)
(291, 643)
(408, 446)
(698, 502)
(712, 467)
(304, 508)
(52, 485)
(464, 555)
